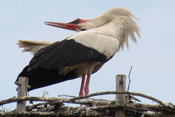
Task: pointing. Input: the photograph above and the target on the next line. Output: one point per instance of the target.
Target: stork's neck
(120, 28)
(112, 29)
(117, 23)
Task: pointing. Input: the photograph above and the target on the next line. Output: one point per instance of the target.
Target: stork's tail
(32, 46)
(43, 77)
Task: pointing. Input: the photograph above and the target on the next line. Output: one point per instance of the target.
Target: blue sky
(152, 57)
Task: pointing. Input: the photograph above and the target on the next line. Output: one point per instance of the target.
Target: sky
(152, 58)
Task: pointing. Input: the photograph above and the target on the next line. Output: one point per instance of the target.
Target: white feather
(32, 45)
(117, 23)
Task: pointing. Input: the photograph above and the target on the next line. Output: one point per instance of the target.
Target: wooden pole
(22, 91)
(120, 98)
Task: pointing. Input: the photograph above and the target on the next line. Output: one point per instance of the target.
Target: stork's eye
(83, 29)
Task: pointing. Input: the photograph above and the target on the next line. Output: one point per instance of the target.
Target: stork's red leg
(86, 88)
(82, 85)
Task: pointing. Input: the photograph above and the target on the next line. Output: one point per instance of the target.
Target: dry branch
(52, 99)
(129, 78)
(114, 92)
(75, 99)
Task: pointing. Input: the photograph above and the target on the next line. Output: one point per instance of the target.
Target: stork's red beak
(70, 26)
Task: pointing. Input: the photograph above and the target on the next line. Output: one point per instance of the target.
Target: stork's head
(84, 24)
(120, 20)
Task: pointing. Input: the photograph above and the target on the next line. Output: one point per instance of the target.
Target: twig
(70, 96)
(51, 99)
(114, 92)
(30, 99)
(45, 93)
(129, 78)
(139, 107)
(66, 96)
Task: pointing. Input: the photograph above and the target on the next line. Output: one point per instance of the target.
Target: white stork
(82, 53)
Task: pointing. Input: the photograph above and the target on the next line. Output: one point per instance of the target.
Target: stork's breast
(104, 44)
(82, 68)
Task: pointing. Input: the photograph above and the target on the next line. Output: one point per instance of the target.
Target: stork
(83, 53)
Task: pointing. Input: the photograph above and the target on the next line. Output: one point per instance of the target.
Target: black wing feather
(64, 53)
(43, 77)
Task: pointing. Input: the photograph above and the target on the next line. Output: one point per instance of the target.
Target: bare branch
(129, 78)
(114, 92)
(52, 99)
(74, 100)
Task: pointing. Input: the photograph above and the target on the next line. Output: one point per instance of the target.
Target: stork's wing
(64, 53)
(32, 45)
